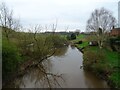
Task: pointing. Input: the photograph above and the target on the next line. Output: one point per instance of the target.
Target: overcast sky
(72, 13)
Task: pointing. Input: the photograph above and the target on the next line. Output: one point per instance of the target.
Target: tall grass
(10, 58)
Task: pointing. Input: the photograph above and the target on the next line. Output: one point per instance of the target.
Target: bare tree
(101, 22)
(3, 14)
(16, 25)
(54, 26)
(46, 28)
(77, 31)
(7, 20)
(66, 28)
(6, 16)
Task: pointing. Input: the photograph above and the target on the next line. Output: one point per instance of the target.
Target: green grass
(84, 44)
(111, 56)
(79, 38)
(63, 36)
(111, 59)
(115, 78)
(11, 58)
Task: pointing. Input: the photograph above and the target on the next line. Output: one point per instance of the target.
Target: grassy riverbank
(81, 37)
(104, 63)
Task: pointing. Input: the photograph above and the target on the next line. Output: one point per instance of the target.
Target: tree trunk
(100, 44)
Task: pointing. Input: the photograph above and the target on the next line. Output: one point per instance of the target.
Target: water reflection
(91, 81)
(39, 77)
(73, 47)
(61, 51)
(60, 71)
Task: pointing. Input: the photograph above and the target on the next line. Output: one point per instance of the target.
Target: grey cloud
(74, 13)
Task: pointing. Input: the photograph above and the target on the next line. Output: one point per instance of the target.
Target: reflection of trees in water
(61, 51)
(40, 75)
(73, 47)
(93, 81)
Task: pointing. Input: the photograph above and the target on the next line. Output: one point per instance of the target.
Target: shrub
(115, 79)
(68, 37)
(114, 41)
(10, 58)
(80, 42)
(73, 36)
(93, 56)
(96, 61)
(58, 41)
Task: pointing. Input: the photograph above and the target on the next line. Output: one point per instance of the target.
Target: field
(82, 38)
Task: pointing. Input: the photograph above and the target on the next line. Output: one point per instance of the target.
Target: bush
(93, 56)
(10, 58)
(80, 42)
(68, 37)
(96, 61)
(103, 63)
(115, 78)
(114, 43)
(73, 36)
(58, 41)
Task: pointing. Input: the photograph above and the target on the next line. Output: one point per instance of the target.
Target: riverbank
(65, 63)
(22, 49)
(80, 46)
(104, 63)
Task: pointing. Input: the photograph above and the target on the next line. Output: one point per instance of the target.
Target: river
(66, 64)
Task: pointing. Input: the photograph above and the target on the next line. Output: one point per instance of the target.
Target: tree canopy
(101, 18)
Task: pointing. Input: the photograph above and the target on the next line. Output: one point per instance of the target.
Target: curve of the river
(66, 63)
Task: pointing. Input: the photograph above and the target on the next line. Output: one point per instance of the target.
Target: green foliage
(115, 78)
(82, 38)
(96, 61)
(103, 62)
(84, 44)
(92, 59)
(42, 47)
(21, 47)
(10, 58)
(78, 38)
(39, 46)
(68, 37)
(58, 41)
(113, 43)
(73, 36)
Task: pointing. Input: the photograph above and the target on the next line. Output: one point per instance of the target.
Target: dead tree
(7, 21)
(101, 22)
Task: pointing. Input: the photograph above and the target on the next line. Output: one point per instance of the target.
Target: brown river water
(66, 64)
